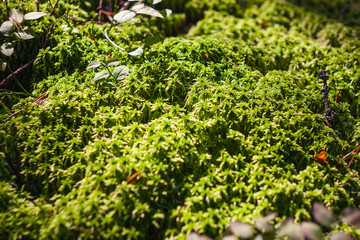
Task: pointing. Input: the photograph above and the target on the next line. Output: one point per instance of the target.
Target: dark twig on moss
(38, 101)
(37, 5)
(8, 79)
(47, 36)
(125, 6)
(100, 9)
(328, 113)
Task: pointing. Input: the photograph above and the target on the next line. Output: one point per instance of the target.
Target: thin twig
(48, 36)
(100, 9)
(125, 6)
(75, 20)
(37, 6)
(234, 64)
(38, 101)
(53, 9)
(356, 150)
(7, 80)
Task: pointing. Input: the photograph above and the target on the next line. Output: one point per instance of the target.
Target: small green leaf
(24, 35)
(34, 15)
(6, 28)
(7, 49)
(3, 66)
(137, 52)
(136, 20)
(114, 63)
(142, 9)
(93, 64)
(166, 12)
(16, 16)
(65, 27)
(121, 72)
(124, 16)
(101, 75)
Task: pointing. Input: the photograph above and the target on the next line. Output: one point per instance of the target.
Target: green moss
(221, 124)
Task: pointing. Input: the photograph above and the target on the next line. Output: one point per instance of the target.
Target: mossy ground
(221, 123)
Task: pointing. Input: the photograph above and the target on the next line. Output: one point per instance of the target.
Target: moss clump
(222, 124)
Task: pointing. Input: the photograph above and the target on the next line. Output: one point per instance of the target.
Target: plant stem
(9, 92)
(7, 8)
(115, 6)
(18, 82)
(108, 69)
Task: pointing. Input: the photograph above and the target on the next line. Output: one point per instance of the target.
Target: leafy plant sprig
(22, 32)
(129, 15)
(118, 73)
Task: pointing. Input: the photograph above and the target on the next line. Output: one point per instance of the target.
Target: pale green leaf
(166, 12)
(16, 16)
(24, 35)
(121, 72)
(65, 27)
(124, 16)
(137, 52)
(136, 20)
(93, 64)
(7, 49)
(6, 28)
(34, 15)
(142, 9)
(101, 75)
(114, 63)
(3, 66)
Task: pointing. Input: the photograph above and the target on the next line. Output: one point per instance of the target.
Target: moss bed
(219, 122)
